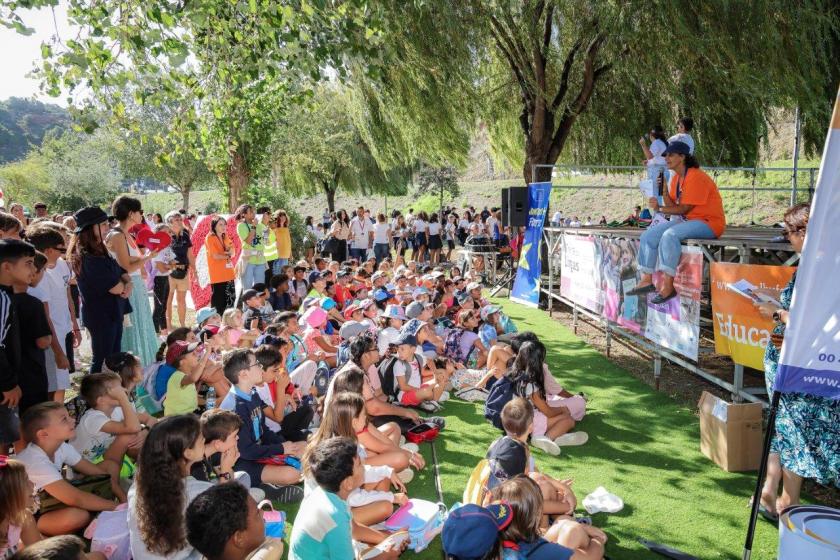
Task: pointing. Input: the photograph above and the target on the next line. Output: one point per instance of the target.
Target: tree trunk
(185, 196)
(330, 192)
(238, 177)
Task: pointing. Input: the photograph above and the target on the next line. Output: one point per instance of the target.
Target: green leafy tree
(319, 148)
(24, 180)
(585, 79)
(234, 65)
(440, 181)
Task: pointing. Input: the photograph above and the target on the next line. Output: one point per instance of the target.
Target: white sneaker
(573, 438)
(257, 493)
(444, 396)
(429, 406)
(412, 447)
(406, 475)
(544, 443)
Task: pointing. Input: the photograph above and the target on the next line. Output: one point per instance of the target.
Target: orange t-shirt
(701, 192)
(220, 270)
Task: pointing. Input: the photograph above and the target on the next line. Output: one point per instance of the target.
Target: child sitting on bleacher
(47, 426)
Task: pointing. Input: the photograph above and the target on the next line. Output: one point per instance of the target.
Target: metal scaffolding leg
(657, 370)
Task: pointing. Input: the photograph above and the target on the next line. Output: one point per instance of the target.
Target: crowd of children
(302, 393)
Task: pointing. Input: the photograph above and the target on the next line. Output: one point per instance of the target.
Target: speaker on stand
(515, 206)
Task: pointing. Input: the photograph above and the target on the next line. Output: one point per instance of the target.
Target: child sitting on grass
(510, 456)
(223, 523)
(181, 394)
(566, 539)
(324, 526)
(408, 376)
(130, 370)
(163, 488)
(47, 426)
(283, 412)
(258, 442)
(17, 524)
(220, 429)
(372, 502)
(98, 435)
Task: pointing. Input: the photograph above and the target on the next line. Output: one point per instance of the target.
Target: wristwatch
(777, 316)
(225, 476)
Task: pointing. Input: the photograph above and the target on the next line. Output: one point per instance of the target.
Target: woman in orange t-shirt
(692, 195)
(220, 265)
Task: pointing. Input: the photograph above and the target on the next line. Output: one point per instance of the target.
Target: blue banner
(526, 287)
(810, 360)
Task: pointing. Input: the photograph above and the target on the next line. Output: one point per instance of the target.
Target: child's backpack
(499, 396)
(323, 376)
(390, 388)
(343, 354)
(476, 487)
(452, 346)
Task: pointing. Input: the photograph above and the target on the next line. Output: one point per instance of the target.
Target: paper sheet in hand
(748, 290)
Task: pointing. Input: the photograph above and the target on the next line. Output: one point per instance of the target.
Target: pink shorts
(409, 398)
(576, 405)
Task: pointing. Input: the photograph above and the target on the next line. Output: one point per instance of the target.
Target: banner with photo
(596, 272)
(740, 332)
(526, 287)
(810, 360)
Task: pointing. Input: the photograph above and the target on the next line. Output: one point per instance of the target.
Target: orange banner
(740, 331)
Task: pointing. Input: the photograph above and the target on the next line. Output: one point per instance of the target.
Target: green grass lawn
(643, 446)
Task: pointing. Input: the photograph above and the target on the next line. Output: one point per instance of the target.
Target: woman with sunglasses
(805, 444)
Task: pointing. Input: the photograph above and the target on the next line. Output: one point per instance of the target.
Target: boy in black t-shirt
(510, 455)
(35, 337)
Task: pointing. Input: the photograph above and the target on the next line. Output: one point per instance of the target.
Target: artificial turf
(643, 446)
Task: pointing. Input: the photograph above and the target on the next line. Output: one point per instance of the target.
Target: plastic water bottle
(210, 400)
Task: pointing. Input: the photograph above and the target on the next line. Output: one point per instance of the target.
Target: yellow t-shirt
(179, 400)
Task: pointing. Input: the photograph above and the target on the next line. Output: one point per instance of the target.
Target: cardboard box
(731, 434)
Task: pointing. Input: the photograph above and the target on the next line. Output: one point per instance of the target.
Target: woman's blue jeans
(661, 244)
(277, 264)
(254, 273)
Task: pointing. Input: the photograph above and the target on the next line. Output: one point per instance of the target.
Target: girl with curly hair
(163, 489)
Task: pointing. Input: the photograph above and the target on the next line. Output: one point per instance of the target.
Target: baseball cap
(349, 310)
(414, 310)
(471, 531)
(328, 303)
(204, 313)
(463, 298)
(323, 275)
(365, 303)
(421, 291)
(178, 349)
(266, 338)
(351, 329)
(488, 310)
(377, 275)
(677, 147)
(412, 326)
(342, 273)
(407, 339)
(381, 294)
(473, 286)
(436, 274)
(394, 312)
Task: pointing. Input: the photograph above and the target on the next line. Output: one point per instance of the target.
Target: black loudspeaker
(515, 207)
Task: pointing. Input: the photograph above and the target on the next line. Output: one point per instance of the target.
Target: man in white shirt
(361, 233)
(491, 223)
(557, 219)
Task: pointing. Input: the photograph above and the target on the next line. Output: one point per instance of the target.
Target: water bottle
(210, 400)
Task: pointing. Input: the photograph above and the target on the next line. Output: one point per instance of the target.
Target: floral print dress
(807, 436)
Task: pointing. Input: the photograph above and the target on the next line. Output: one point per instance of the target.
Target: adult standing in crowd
(41, 211)
(381, 238)
(269, 242)
(361, 233)
(399, 231)
(283, 237)
(435, 241)
(693, 195)
(162, 266)
(421, 237)
(311, 236)
(654, 159)
(684, 127)
(252, 259)
(179, 275)
(219, 248)
(338, 236)
(104, 287)
(138, 335)
(16, 210)
(806, 443)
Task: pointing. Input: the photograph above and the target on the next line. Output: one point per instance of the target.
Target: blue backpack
(501, 394)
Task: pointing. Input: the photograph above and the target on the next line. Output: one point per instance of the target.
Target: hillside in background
(24, 123)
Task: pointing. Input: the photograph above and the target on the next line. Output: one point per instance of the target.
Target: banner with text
(526, 287)
(740, 331)
(597, 272)
(810, 360)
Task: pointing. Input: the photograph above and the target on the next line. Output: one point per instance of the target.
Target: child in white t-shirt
(98, 435)
(408, 376)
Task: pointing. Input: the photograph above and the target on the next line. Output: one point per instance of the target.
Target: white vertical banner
(810, 360)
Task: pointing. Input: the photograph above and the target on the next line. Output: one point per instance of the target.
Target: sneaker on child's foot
(412, 447)
(438, 421)
(285, 494)
(573, 438)
(257, 493)
(406, 475)
(429, 406)
(544, 443)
